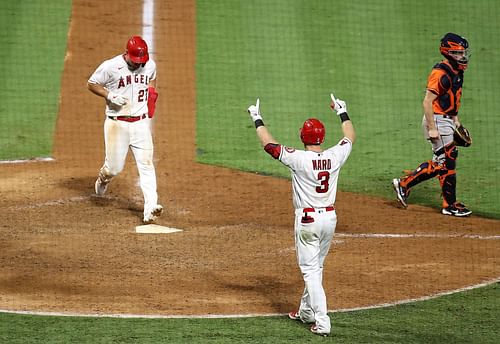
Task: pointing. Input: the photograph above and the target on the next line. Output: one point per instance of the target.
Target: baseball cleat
(100, 187)
(456, 209)
(294, 315)
(152, 215)
(314, 329)
(401, 193)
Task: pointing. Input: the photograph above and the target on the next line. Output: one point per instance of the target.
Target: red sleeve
(273, 149)
(152, 96)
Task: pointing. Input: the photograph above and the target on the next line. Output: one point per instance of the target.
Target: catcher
(442, 127)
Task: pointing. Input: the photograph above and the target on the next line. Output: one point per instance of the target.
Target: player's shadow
(277, 293)
(83, 184)
(85, 187)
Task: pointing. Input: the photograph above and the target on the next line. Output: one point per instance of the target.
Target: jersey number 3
(323, 177)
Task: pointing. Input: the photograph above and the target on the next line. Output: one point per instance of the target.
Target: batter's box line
(253, 315)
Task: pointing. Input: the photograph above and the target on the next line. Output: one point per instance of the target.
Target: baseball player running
(441, 104)
(127, 82)
(314, 174)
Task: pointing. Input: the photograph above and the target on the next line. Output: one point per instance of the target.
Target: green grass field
(33, 36)
(469, 317)
(376, 55)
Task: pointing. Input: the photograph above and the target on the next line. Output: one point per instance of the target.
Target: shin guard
(447, 176)
(426, 170)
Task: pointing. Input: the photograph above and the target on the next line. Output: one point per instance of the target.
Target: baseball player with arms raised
(315, 173)
(127, 82)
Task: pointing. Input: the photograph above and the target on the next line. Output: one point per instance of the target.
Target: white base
(155, 229)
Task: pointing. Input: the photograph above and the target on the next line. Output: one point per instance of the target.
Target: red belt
(128, 118)
(312, 210)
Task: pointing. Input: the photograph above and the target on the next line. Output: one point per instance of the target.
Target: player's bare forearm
(97, 89)
(265, 136)
(348, 130)
(428, 110)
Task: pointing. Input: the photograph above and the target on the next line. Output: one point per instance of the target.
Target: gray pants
(445, 127)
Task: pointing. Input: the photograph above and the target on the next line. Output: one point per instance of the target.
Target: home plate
(156, 229)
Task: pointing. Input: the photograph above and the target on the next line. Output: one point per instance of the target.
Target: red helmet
(312, 132)
(137, 50)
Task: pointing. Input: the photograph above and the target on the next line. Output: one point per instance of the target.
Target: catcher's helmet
(137, 50)
(312, 132)
(456, 49)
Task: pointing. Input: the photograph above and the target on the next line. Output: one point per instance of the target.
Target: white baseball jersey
(115, 76)
(121, 135)
(314, 184)
(314, 175)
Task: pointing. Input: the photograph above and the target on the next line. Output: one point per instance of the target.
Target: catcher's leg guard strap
(447, 176)
(426, 170)
(450, 156)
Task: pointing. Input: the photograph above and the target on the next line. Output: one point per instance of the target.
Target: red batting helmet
(312, 132)
(137, 50)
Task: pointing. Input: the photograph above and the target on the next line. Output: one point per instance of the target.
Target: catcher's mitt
(461, 136)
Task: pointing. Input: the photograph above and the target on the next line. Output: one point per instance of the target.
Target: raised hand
(338, 105)
(254, 111)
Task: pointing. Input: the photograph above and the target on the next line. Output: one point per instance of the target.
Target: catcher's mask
(456, 49)
(137, 50)
(312, 132)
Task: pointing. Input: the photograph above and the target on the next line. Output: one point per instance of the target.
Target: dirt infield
(63, 249)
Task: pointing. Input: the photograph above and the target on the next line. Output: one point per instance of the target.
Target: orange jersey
(446, 83)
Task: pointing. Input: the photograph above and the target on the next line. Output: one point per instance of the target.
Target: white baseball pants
(312, 243)
(118, 137)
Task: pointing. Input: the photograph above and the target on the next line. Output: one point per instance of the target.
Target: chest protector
(452, 81)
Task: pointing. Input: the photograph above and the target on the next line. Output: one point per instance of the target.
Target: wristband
(344, 117)
(258, 123)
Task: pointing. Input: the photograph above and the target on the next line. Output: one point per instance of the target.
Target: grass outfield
(469, 317)
(33, 38)
(374, 54)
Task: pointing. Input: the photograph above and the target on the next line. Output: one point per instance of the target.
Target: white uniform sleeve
(151, 72)
(341, 150)
(101, 75)
(291, 158)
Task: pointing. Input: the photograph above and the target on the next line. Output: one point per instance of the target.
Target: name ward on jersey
(322, 164)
